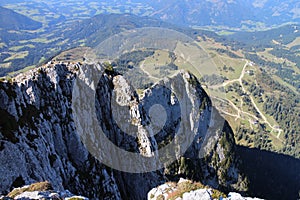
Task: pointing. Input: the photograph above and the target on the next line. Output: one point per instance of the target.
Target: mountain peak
(42, 121)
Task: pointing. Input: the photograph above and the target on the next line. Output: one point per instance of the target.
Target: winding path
(240, 80)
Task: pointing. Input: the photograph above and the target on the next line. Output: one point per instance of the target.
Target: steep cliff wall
(39, 137)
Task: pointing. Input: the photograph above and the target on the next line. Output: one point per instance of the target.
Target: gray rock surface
(41, 190)
(39, 140)
(167, 191)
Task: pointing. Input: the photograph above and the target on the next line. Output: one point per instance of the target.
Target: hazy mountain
(98, 28)
(87, 32)
(232, 13)
(284, 34)
(11, 20)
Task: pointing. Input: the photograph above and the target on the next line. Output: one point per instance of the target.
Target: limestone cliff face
(39, 138)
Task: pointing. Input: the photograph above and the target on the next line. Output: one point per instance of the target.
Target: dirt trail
(240, 111)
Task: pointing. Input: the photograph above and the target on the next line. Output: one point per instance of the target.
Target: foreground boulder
(189, 190)
(41, 190)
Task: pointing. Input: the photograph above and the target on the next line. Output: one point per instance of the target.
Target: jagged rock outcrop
(188, 190)
(41, 190)
(39, 137)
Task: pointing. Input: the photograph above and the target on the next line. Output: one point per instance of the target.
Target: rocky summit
(188, 190)
(40, 137)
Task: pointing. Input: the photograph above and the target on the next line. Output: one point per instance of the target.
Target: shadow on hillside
(271, 175)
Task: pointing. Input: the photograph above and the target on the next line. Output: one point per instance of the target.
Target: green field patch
(94, 4)
(18, 55)
(282, 82)
(40, 30)
(213, 92)
(42, 59)
(195, 59)
(12, 74)
(63, 42)
(17, 48)
(266, 55)
(72, 55)
(185, 65)
(136, 11)
(234, 98)
(158, 65)
(294, 43)
(5, 65)
(2, 44)
(42, 19)
(99, 12)
(277, 142)
(40, 40)
(31, 12)
(245, 143)
(44, 40)
(111, 9)
(225, 32)
(82, 41)
(231, 68)
(79, 8)
(53, 15)
(160, 57)
(268, 117)
(23, 41)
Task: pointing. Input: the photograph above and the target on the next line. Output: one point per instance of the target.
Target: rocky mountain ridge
(39, 139)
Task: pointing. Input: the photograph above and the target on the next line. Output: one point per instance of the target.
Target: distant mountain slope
(247, 14)
(232, 13)
(283, 35)
(87, 32)
(11, 20)
(102, 26)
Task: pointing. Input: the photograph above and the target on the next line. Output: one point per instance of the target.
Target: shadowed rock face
(39, 139)
(271, 175)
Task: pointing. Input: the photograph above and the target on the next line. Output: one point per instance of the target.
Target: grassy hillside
(262, 94)
(45, 43)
